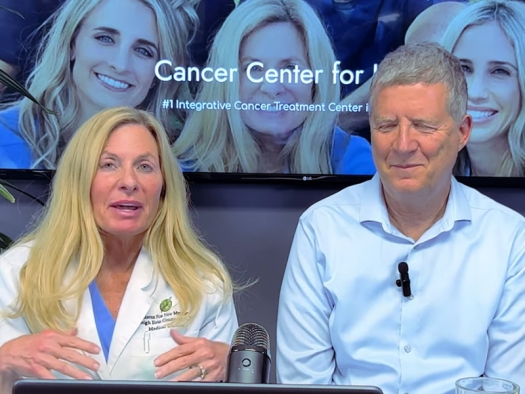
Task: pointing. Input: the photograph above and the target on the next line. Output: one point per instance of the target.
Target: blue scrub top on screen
(14, 150)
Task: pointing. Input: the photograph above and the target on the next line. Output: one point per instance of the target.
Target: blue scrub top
(103, 319)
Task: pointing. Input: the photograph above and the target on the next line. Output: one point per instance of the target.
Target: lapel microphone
(404, 281)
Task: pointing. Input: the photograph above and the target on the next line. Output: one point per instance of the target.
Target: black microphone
(249, 358)
(405, 279)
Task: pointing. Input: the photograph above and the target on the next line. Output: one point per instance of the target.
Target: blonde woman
(114, 283)
(487, 37)
(283, 35)
(97, 54)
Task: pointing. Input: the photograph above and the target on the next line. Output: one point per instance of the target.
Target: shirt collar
(373, 206)
(143, 270)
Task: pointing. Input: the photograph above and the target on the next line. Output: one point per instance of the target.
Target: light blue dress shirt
(343, 320)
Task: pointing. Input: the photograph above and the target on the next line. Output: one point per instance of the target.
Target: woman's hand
(206, 359)
(37, 355)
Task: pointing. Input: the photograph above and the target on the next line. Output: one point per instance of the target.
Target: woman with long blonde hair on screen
(98, 54)
(284, 35)
(488, 38)
(115, 269)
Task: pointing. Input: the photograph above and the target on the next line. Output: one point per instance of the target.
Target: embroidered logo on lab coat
(166, 305)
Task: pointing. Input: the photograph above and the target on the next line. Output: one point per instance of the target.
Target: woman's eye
(104, 39)
(144, 52)
(465, 68)
(501, 71)
(145, 167)
(107, 165)
(254, 68)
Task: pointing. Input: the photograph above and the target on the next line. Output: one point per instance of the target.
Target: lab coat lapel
(87, 330)
(135, 305)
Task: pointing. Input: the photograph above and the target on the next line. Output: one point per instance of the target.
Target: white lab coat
(140, 334)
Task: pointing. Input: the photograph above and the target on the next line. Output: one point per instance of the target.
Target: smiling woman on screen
(97, 54)
(264, 132)
(488, 38)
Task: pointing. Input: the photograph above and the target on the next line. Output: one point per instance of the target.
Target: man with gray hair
(411, 280)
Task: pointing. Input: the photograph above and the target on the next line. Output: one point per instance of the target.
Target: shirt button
(408, 349)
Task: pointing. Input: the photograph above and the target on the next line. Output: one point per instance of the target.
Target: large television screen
(258, 87)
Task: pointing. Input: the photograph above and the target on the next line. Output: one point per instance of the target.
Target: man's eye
(424, 127)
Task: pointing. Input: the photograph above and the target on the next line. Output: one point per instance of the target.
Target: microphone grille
(251, 334)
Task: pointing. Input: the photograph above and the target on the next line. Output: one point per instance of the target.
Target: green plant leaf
(9, 81)
(5, 242)
(13, 11)
(32, 197)
(5, 193)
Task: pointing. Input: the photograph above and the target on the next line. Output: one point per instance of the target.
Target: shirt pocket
(154, 343)
(140, 365)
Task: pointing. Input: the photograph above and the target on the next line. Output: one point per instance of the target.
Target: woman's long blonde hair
(67, 249)
(510, 15)
(219, 141)
(52, 85)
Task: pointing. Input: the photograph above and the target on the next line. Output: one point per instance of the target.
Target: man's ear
(464, 130)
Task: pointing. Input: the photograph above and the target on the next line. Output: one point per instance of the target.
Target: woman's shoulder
(9, 118)
(352, 154)
(11, 262)
(15, 257)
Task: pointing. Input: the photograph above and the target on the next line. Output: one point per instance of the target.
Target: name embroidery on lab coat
(163, 319)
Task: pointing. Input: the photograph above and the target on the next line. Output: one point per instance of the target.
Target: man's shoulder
(482, 204)
(345, 202)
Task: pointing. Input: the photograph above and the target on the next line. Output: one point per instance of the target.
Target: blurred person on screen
(489, 39)
(281, 34)
(97, 54)
(10, 70)
(19, 34)
(342, 318)
(114, 283)
(364, 31)
(431, 24)
(419, 22)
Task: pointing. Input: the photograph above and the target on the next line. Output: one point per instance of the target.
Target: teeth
(113, 82)
(480, 114)
(127, 207)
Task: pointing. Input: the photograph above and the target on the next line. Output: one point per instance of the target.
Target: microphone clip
(404, 280)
